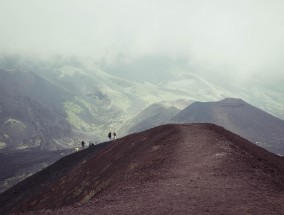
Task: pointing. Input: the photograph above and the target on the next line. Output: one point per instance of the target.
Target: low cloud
(242, 37)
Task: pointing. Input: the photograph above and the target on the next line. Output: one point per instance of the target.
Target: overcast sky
(244, 36)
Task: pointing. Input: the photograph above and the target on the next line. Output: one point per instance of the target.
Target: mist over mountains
(31, 114)
(73, 71)
(86, 102)
(57, 102)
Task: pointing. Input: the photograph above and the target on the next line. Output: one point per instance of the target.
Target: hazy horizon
(241, 38)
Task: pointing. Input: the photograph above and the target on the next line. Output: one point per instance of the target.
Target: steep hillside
(31, 113)
(239, 117)
(154, 115)
(172, 169)
(46, 104)
(66, 99)
(103, 102)
(18, 165)
(54, 105)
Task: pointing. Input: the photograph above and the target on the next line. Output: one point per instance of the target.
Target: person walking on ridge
(83, 144)
(114, 135)
(109, 135)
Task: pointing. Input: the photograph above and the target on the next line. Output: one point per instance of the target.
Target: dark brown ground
(172, 169)
(17, 165)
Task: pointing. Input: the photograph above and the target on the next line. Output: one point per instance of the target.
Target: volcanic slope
(171, 169)
(154, 115)
(239, 117)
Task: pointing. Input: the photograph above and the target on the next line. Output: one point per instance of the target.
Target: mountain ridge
(193, 168)
(239, 117)
(26, 112)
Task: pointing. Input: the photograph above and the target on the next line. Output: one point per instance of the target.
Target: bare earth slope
(171, 169)
(18, 165)
(239, 117)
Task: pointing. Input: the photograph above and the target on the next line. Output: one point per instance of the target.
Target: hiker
(109, 135)
(83, 144)
(91, 144)
(114, 135)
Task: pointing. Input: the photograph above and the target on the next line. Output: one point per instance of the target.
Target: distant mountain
(154, 115)
(67, 100)
(54, 105)
(172, 169)
(205, 87)
(31, 114)
(103, 102)
(239, 117)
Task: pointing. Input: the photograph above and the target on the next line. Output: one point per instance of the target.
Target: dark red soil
(172, 169)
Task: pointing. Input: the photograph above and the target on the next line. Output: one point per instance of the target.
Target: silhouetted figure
(83, 144)
(114, 135)
(109, 135)
(91, 144)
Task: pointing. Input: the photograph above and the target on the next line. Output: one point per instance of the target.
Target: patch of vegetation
(13, 123)
(2, 145)
(73, 110)
(87, 117)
